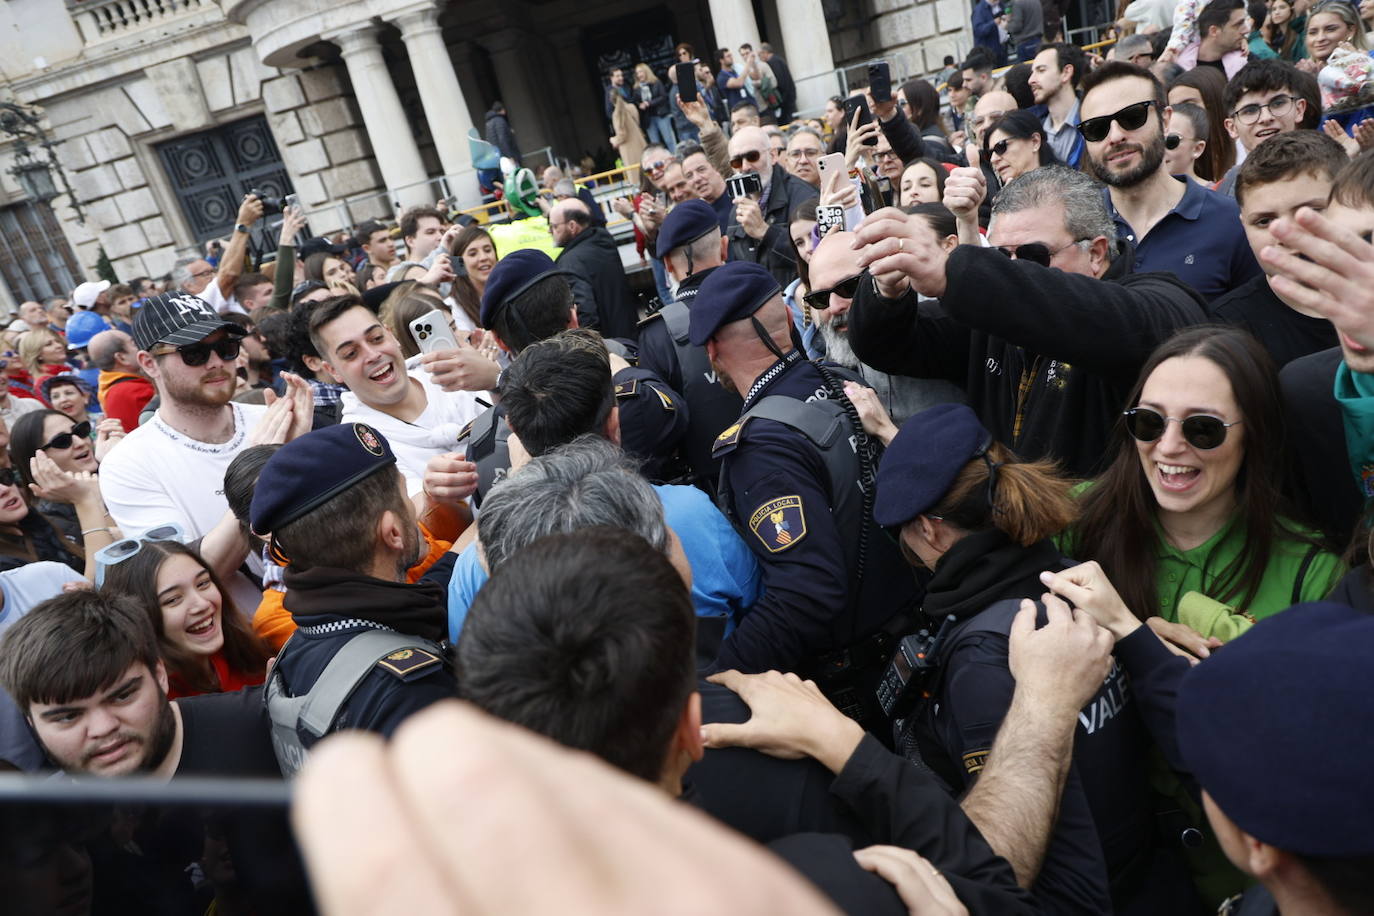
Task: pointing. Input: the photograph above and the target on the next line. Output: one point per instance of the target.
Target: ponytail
(1028, 501)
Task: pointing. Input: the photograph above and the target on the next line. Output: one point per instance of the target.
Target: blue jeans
(661, 132)
(1027, 50)
(665, 294)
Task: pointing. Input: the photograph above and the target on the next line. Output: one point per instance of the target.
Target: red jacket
(123, 395)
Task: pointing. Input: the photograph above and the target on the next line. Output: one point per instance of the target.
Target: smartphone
(748, 184)
(431, 332)
(880, 81)
(829, 216)
(834, 172)
(860, 104)
(291, 200)
(687, 81)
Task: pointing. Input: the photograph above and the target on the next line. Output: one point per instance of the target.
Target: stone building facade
(167, 111)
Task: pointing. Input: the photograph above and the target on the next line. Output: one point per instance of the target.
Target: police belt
(872, 653)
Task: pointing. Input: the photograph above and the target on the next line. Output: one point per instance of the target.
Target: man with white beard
(835, 275)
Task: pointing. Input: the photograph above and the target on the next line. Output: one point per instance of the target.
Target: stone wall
(912, 35)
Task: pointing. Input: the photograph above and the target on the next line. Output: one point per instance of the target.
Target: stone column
(521, 90)
(442, 97)
(806, 41)
(734, 24)
(387, 128)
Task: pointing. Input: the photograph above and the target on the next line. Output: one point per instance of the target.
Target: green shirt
(1198, 570)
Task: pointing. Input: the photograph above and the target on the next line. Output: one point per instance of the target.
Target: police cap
(732, 292)
(684, 224)
(310, 470)
(511, 276)
(1275, 726)
(923, 460)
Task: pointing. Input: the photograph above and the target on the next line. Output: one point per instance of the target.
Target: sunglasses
(198, 354)
(1035, 252)
(751, 157)
(1000, 147)
(81, 430)
(658, 166)
(845, 289)
(9, 477)
(1199, 431)
(120, 551)
(1132, 117)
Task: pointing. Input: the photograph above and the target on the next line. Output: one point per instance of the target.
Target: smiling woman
(1191, 502)
(207, 645)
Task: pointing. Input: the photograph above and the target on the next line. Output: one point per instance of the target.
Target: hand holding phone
(856, 115)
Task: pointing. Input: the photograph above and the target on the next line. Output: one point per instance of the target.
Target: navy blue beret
(684, 224)
(310, 470)
(1276, 727)
(924, 458)
(732, 292)
(511, 276)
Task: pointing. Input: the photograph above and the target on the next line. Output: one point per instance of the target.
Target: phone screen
(687, 81)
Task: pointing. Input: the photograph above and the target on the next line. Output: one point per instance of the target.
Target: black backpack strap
(1302, 573)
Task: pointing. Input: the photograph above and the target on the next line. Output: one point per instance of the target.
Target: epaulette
(465, 431)
(627, 389)
(728, 439)
(409, 664)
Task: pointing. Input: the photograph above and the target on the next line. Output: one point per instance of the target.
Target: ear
(147, 363)
(949, 243)
(572, 317)
(1301, 106)
(613, 425)
(160, 675)
(1035, 143)
(1230, 125)
(724, 247)
(670, 265)
(1099, 255)
(1168, 115)
(1199, 147)
(390, 531)
(687, 736)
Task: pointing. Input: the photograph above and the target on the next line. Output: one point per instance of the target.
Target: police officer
(691, 246)
(528, 299)
(967, 509)
(369, 647)
(797, 479)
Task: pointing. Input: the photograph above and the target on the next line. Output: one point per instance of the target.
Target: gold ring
(901, 244)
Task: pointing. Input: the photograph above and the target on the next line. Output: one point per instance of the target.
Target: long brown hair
(1030, 499)
(463, 289)
(1118, 513)
(136, 577)
(1220, 154)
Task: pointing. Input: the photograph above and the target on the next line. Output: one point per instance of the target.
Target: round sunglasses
(1132, 117)
(1200, 430)
(81, 430)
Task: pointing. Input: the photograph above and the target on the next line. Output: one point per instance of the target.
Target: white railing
(104, 19)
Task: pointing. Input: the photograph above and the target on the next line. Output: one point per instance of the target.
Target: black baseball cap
(177, 319)
(318, 245)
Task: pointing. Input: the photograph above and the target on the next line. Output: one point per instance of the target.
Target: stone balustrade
(102, 20)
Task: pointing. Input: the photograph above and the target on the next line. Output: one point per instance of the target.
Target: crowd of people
(975, 513)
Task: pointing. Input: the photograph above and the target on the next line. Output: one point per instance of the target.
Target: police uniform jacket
(665, 350)
(1047, 358)
(330, 607)
(1102, 840)
(805, 529)
(774, 251)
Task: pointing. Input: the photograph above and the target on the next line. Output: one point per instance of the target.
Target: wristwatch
(241, 228)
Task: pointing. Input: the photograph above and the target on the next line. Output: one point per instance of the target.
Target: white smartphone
(834, 172)
(431, 332)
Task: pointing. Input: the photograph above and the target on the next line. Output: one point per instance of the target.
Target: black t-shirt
(226, 734)
(1287, 334)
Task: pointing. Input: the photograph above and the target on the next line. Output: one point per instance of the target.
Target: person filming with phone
(758, 232)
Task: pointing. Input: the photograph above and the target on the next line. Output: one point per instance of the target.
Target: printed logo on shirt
(974, 761)
(1188, 260)
(779, 523)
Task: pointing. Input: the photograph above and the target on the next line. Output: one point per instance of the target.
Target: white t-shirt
(434, 432)
(213, 295)
(156, 475)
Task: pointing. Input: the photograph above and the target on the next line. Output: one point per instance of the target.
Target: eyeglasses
(1278, 106)
(751, 157)
(1000, 147)
(804, 154)
(1132, 117)
(1035, 252)
(887, 154)
(120, 551)
(658, 166)
(198, 354)
(1200, 430)
(81, 430)
(980, 120)
(845, 289)
(202, 274)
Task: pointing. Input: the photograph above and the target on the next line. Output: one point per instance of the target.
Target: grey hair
(181, 271)
(1085, 209)
(586, 483)
(797, 132)
(1130, 45)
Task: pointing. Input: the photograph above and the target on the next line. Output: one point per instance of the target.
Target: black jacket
(774, 251)
(787, 87)
(1323, 484)
(910, 143)
(1047, 357)
(501, 135)
(593, 256)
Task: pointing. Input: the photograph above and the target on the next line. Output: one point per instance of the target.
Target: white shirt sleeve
(216, 298)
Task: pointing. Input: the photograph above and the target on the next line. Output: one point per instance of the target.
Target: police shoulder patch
(779, 523)
(627, 389)
(728, 438)
(974, 761)
(663, 397)
(406, 664)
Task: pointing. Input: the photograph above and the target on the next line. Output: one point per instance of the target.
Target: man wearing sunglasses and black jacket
(758, 231)
(1046, 356)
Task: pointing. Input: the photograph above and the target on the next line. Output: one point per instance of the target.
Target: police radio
(904, 680)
